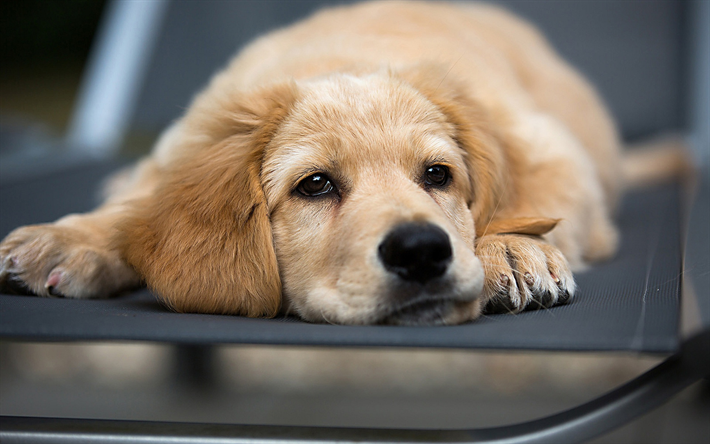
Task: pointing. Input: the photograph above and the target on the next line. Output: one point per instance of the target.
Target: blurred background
(641, 55)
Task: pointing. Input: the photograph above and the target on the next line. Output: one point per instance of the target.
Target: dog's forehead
(378, 117)
(354, 127)
(349, 103)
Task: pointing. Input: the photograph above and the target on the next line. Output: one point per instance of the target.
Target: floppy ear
(202, 241)
(476, 132)
(536, 226)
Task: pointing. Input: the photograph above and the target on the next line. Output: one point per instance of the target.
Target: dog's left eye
(437, 175)
(316, 184)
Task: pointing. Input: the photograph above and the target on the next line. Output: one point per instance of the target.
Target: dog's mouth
(428, 311)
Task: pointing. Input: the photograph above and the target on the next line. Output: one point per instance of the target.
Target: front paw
(523, 272)
(53, 260)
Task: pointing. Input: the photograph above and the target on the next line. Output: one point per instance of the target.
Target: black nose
(416, 252)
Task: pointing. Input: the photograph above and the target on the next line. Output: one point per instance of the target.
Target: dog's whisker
(448, 72)
(325, 318)
(289, 310)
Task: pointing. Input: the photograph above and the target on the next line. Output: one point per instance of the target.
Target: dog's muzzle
(416, 252)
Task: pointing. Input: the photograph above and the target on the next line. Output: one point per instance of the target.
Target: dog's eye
(316, 184)
(437, 175)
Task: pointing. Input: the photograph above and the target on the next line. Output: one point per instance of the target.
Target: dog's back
(505, 62)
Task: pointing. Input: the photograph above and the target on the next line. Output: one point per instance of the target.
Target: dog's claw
(502, 304)
(504, 281)
(563, 297)
(529, 279)
(53, 281)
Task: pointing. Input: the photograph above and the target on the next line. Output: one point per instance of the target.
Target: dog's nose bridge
(405, 201)
(379, 210)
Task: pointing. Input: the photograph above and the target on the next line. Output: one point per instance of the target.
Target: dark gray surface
(629, 303)
(632, 51)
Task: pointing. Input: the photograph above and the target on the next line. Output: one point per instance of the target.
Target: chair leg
(195, 367)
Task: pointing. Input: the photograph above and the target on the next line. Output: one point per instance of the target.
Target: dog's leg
(73, 256)
(557, 179)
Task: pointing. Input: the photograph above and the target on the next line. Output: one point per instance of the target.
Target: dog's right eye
(316, 184)
(437, 175)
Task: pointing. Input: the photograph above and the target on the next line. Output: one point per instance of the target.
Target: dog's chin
(425, 312)
(431, 312)
(439, 303)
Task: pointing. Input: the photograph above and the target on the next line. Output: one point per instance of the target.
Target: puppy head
(370, 198)
(354, 198)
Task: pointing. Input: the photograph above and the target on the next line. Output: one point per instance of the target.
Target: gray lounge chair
(653, 297)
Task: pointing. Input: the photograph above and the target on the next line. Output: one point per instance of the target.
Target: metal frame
(699, 81)
(117, 66)
(579, 424)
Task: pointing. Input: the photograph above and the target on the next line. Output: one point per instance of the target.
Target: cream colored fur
(370, 95)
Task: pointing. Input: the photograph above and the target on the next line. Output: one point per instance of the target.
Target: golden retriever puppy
(388, 162)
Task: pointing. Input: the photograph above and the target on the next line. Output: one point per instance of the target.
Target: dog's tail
(659, 160)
